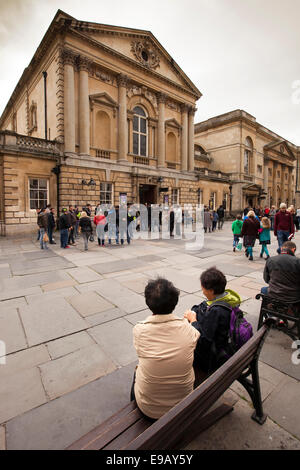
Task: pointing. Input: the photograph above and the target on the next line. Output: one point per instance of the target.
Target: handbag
(45, 238)
(91, 238)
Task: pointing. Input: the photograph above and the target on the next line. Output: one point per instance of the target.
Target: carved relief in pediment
(145, 53)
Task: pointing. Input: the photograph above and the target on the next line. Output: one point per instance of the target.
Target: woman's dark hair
(161, 296)
(213, 279)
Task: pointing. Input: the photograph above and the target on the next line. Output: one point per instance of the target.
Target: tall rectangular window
(200, 196)
(175, 196)
(106, 193)
(38, 193)
(213, 200)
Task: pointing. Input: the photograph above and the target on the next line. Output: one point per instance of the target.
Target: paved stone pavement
(66, 317)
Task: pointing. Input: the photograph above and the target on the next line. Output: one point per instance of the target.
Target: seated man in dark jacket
(282, 273)
(212, 321)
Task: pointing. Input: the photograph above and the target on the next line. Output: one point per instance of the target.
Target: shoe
(261, 255)
(233, 249)
(67, 246)
(251, 258)
(267, 257)
(246, 253)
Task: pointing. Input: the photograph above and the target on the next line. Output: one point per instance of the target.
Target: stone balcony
(18, 142)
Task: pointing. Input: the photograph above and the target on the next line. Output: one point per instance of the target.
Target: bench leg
(253, 388)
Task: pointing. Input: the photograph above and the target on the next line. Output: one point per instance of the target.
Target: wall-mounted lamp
(90, 183)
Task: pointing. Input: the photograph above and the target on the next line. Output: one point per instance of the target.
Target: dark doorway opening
(148, 194)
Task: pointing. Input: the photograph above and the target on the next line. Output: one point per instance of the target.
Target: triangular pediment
(280, 147)
(138, 46)
(173, 123)
(103, 98)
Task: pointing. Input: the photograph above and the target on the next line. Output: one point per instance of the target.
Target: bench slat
(129, 435)
(114, 430)
(95, 433)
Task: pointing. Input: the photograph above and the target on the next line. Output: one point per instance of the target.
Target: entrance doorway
(148, 194)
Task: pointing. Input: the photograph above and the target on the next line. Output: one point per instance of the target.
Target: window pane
(33, 204)
(43, 184)
(33, 194)
(135, 143)
(139, 110)
(143, 145)
(42, 195)
(143, 126)
(135, 123)
(33, 183)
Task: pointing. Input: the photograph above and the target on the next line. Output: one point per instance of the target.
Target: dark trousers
(64, 233)
(50, 234)
(71, 236)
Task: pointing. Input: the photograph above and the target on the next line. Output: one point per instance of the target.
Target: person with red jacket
(283, 226)
(100, 222)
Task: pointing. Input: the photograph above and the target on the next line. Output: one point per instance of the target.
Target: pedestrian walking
(215, 219)
(272, 214)
(264, 236)
(207, 220)
(221, 214)
(283, 226)
(236, 228)
(249, 233)
(85, 226)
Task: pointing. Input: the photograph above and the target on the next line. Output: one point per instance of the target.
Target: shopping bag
(45, 238)
(239, 246)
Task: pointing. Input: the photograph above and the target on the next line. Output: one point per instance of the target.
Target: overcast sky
(241, 54)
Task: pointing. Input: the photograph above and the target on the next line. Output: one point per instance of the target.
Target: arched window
(139, 131)
(247, 155)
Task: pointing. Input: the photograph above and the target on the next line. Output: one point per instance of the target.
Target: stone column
(290, 190)
(122, 129)
(161, 140)
(191, 154)
(275, 184)
(84, 106)
(282, 183)
(69, 100)
(184, 137)
(266, 180)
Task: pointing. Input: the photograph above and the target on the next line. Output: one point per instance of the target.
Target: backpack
(240, 330)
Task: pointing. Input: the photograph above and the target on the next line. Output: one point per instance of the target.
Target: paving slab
(229, 434)
(84, 274)
(181, 280)
(40, 254)
(63, 346)
(137, 285)
(116, 340)
(23, 282)
(23, 360)
(58, 285)
(117, 266)
(282, 407)
(14, 294)
(20, 268)
(277, 351)
(119, 295)
(70, 372)
(89, 303)
(51, 295)
(59, 423)
(12, 303)
(2, 438)
(44, 322)
(11, 331)
(134, 318)
(20, 392)
(104, 317)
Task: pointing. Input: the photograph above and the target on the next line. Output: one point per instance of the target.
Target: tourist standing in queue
(250, 229)
(221, 214)
(207, 220)
(292, 211)
(264, 236)
(43, 226)
(215, 219)
(73, 220)
(64, 226)
(38, 232)
(85, 226)
(100, 222)
(51, 225)
(283, 226)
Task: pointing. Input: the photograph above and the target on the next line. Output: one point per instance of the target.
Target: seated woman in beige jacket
(165, 346)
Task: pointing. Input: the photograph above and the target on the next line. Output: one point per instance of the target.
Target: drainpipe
(56, 171)
(45, 101)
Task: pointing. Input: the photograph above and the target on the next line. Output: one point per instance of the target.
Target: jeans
(236, 239)
(272, 222)
(42, 243)
(282, 236)
(71, 235)
(86, 236)
(249, 249)
(50, 233)
(100, 234)
(122, 236)
(64, 235)
(264, 290)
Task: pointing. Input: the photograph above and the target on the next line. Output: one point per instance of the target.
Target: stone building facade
(101, 113)
(261, 165)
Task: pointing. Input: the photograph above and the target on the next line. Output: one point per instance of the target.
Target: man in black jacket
(282, 273)
(51, 226)
(221, 214)
(212, 320)
(64, 225)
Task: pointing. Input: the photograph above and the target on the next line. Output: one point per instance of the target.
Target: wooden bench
(129, 429)
(287, 312)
